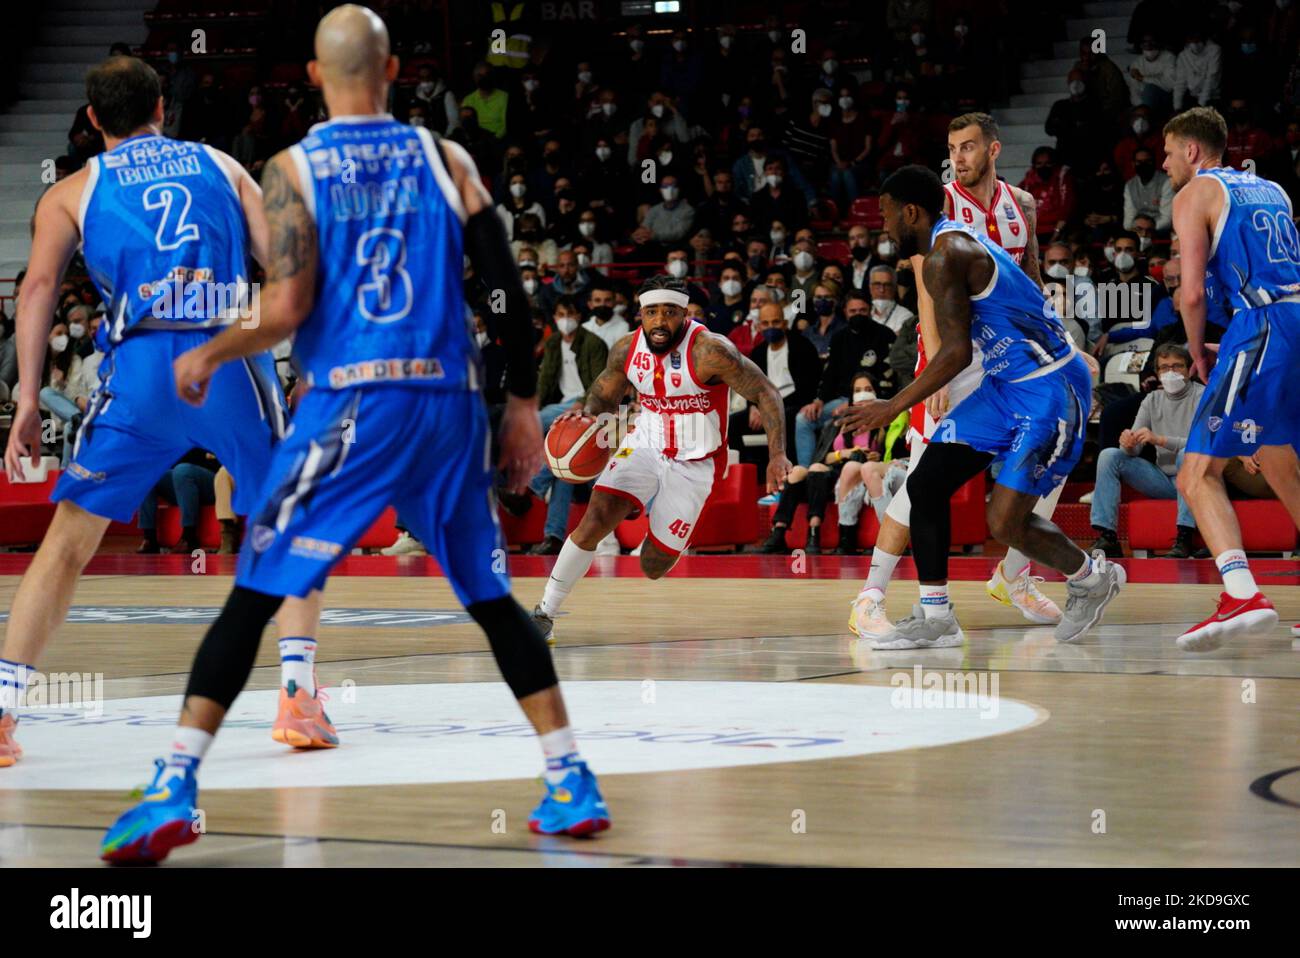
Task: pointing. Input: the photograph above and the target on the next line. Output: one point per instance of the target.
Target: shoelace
(1100, 565)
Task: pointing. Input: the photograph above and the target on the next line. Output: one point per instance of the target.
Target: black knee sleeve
(520, 651)
(225, 658)
(945, 468)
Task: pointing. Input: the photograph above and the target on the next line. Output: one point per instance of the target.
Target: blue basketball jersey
(390, 305)
(1255, 254)
(1014, 325)
(164, 237)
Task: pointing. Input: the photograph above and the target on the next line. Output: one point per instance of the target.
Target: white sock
(570, 565)
(1014, 565)
(189, 745)
(934, 600)
(13, 684)
(1237, 580)
(298, 663)
(561, 751)
(882, 570)
(1088, 573)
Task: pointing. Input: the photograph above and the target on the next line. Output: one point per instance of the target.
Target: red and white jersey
(1003, 222)
(680, 416)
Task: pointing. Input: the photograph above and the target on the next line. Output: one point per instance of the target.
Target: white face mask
(773, 180)
(669, 193)
(1173, 383)
(583, 261)
(752, 315)
(1141, 125)
(566, 326)
(657, 109)
(1082, 272)
(882, 305)
(666, 157)
(481, 339)
(1110, 253)
(425, 89)
(608, 108)
(773, 35)
(602, 153)
(677, 268)
(620, 310)
(730, 287)
(636, 45)
(679, 45)
(918, 39)
(530, 286)
(76, 330)
(829, 65)
(885, 249)
(584, 76)
(823, 109)
(1058, 271)
(724, 41)
(1124, 261)
(517, 190)
(59, 343)
(416, 121)
(587, 228)
(1144, 243)
(1077, 87)
(803, 261)
(863, 395)
(846, 103)
(530, 84)
(791, 313)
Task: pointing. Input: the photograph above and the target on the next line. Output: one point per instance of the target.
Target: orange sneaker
(302, 722)
(10, 751)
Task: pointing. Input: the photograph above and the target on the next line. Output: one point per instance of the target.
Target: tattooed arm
(716, 359)
(289, 292)
(1029, 207)
(608, 389)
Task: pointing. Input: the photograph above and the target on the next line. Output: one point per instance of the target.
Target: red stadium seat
(25, 509)
(837, 250)
(209, 529)
(866, 211)
(1265, 525)
(526, 530)
(382, 533)
(825, 215)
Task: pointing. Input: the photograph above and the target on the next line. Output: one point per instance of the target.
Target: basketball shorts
(1253, 396)
(672, 493)
(350, 454)
(1035, 427)
(135, 426)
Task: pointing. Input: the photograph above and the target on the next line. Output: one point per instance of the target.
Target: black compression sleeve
(489, 251)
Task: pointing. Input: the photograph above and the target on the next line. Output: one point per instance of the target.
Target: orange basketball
(577, 448)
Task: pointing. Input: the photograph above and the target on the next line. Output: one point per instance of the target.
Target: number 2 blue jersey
(1255, 254)
(164, 236)
(390, 305)
(1014, 325)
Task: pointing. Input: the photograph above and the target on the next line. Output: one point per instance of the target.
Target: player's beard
(672, 343)
(975, 173)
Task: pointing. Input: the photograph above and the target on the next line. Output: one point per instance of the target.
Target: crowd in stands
(720, 157)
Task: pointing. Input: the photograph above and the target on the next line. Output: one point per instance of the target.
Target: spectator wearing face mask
(436, 101)
(1140, 135)
(776, 201)
(603, 184)
(717, 213)
(1250, 64)
(1059, 266)
(563, 227)
(681, 72)
(750, 171)
(1128, 308)
(599, 251)
(825, 320)
(746, 335)
(1102, 202)
(668, 221)
(729, 306)
(790, 362)
(668, 123)
(602, 322)
(1151, 76)
(850, 147)
(861, 250)
(569, 280)
(1106, 87)
(1149, 193)
(803, 260)
(517, 205)
(1051, 184)
(1164, 421)
(885, 307)
(62, 391)
(532, 112)
(528, 235)
(1076, 122)
(808, 139)
(902, 135)
(1198, 71)
(1246, 139)
(487, 101)
(865, 345)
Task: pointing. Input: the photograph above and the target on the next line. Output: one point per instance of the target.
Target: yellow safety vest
(516, 53)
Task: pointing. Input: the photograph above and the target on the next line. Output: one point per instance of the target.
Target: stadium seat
(1265, 525)
(25, 509)
(209, 529)
(382, 533)
(866, 211)
(837, 250)
(824, 215)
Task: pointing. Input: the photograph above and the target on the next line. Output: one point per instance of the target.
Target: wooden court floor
(1124, 751)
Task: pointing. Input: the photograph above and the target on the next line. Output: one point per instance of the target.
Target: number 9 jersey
(390, 305)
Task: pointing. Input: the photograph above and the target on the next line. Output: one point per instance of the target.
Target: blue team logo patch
(1214, 423)
(261, 538)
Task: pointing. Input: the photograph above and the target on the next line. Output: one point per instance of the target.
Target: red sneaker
(9, 750)
(1234, 617)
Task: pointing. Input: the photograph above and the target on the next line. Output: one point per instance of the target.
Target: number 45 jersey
(164, 237)
(390, 305)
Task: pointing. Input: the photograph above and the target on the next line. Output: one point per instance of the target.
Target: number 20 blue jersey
(1255, 254)
(390, 305)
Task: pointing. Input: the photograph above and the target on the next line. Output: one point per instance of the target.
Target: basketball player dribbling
(667, 465)
(370, 220)
(1007, 215)
(157, 219)
(1237, 234)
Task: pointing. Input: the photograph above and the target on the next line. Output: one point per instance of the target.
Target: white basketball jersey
(1003, 222)
(680, 416)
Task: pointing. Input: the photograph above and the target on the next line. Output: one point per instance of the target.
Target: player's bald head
(352, 45)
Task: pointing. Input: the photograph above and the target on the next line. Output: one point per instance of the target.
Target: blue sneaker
(573, 807)
(163, 820)
(770, 499)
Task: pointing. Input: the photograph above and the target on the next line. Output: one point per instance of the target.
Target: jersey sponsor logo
(371, 156)
(676, 360)
(385, 370)
(78, 471)
(696, 402)
(320, 549)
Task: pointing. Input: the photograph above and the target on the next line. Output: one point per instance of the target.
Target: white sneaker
(919, 631)
(1022, 593)
(406, 545)
(609, 546)
(867, 618)
(1086, 498)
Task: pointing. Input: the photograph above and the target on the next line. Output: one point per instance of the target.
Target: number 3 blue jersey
(390, 305)
(164, 237)
(1014, 325)
(1255, 254)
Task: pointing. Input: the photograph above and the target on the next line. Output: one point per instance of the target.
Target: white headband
(671, 296)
